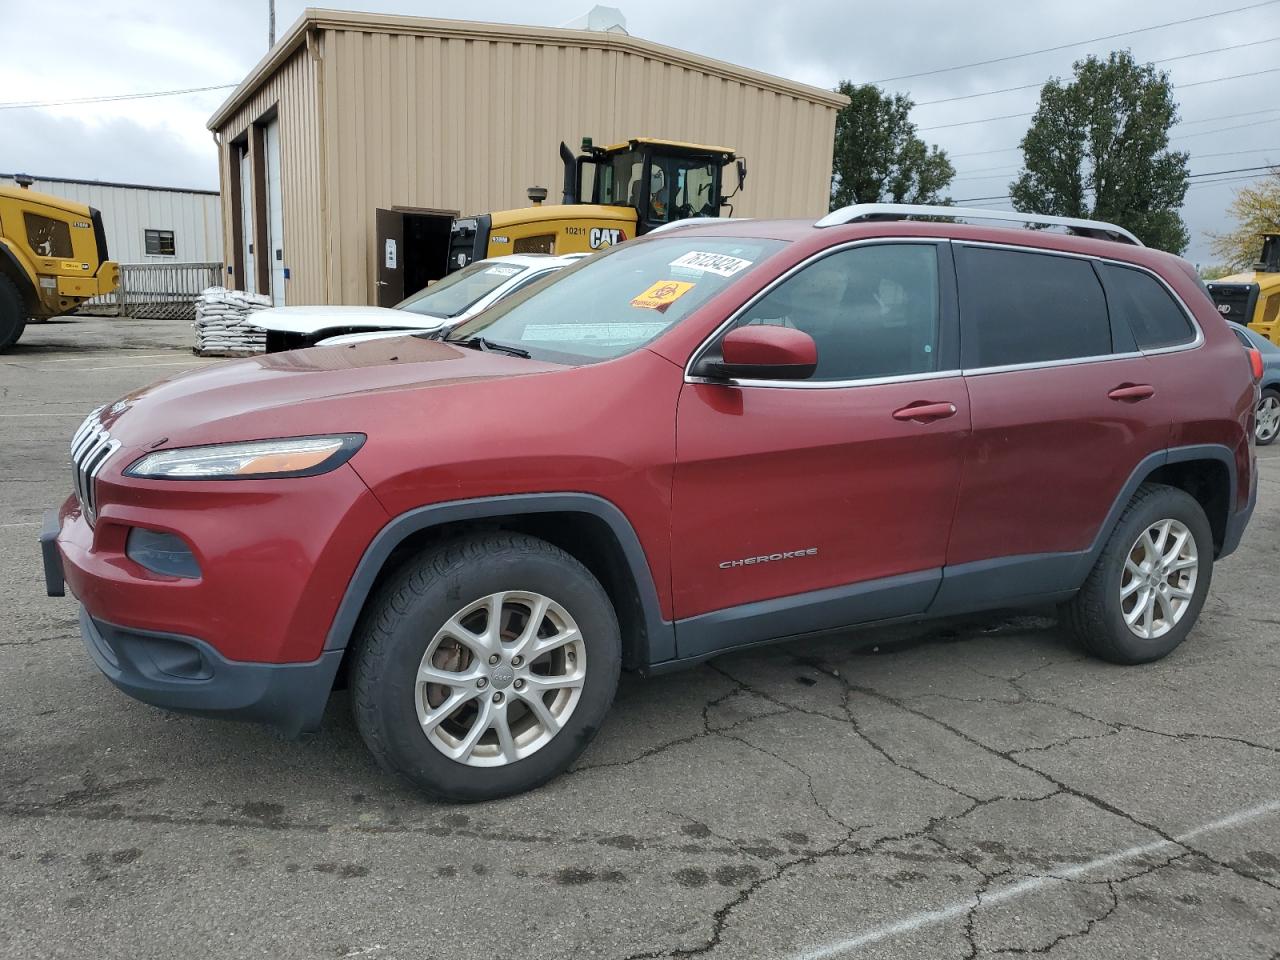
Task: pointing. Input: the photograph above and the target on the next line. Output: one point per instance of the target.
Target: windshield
(458, 291)
(618, 301)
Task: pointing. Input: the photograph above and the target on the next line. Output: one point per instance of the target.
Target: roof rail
(693, 222)
(901, 211)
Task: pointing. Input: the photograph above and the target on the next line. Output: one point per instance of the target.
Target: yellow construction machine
(634, 187)
(1253, 298)
(53, 257)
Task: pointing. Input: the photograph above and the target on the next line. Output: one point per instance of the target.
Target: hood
(299, 392)
(314, 319)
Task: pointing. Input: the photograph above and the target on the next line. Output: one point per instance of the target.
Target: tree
(878, 157)
(1098, 148)
(1256, 210)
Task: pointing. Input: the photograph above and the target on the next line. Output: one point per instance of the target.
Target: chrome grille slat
(91, 447)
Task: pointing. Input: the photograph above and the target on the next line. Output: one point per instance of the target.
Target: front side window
(159, 243)
(48, 237)
(458, 291)
(1018, 307)
(872, 311)
(1152, 314)
(615, 302)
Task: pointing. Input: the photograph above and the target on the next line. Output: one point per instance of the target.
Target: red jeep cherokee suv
(717, 436)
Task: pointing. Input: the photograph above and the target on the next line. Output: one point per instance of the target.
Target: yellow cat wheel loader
(53, 257)
(1253, 298)
(633, 188)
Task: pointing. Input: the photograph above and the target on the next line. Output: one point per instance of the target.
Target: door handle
(923, 411)
(1132, 392)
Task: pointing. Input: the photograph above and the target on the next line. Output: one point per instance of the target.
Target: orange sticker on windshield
(662, 294)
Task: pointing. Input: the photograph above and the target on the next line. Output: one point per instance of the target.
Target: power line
(1008, 170)
(31, 104)
(1176, 86)
(1030, 86)
(1077, 43)
(1180, 123)
(1191, 176)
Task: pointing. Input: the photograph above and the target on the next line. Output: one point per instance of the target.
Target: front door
(801, 506)
(389, 226)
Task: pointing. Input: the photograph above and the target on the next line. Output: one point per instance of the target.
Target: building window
(159, 243)
(48, 237)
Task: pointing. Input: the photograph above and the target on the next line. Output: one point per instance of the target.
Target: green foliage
(1098, 148)
(878, 157)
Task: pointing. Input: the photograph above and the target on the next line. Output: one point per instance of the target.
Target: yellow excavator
(53, 257)
(634, 187)
(1253, 298)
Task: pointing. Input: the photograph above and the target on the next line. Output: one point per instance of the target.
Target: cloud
(146, 46)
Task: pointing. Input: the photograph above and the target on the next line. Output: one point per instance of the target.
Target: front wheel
(1267, 421)
(485, 666)
(1147, 586)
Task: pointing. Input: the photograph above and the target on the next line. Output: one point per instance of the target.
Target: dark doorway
(412, 250)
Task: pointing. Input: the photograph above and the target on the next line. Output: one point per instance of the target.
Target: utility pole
(271, 23)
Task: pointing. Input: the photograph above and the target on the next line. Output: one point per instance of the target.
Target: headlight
(259, 459)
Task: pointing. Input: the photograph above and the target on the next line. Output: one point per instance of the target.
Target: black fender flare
(660, 633)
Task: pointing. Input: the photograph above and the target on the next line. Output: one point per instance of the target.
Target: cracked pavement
(958, 789)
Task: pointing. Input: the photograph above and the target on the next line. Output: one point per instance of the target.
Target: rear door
(1064, 408)
(800, 506)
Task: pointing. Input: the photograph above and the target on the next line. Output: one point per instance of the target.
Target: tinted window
(47, 237)
(873, 311)
(1020, 307)
(458, 291)
(1154, 317)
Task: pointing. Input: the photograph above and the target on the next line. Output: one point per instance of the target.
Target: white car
(447, 302)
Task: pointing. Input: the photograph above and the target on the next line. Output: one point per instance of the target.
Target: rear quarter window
(1018, 307)
(1141, 301)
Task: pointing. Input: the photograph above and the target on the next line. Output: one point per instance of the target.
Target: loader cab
(662, 180)
(1252, 298)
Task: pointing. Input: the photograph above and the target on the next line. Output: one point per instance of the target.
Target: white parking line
(194, 361)
(143, 356)
(930, 918)
(25, 523)
(72, 415)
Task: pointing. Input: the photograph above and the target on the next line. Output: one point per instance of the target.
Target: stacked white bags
(222, 323)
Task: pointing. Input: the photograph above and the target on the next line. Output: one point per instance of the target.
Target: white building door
(248, 280)
(275, 212)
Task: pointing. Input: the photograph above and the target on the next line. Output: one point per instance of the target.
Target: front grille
(91, 448)
(1235, 301)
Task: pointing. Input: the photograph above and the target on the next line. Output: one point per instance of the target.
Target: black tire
(406, 615)
(1270, 393)
(13, 313)
(1094, 616)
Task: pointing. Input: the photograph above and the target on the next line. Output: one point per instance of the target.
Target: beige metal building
(352, 112)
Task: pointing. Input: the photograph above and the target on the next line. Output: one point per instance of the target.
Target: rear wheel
(13, 313)
(1149, 583)
(1267, 422)
(485, 667)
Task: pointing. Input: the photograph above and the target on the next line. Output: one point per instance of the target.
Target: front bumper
(187, 675)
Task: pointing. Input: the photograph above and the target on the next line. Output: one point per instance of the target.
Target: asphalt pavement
(970, 788)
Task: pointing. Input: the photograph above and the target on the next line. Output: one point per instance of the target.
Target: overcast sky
(141, 45)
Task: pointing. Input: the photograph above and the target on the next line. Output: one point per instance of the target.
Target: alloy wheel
(1159, 579)
(1267, 419)
(499, 680)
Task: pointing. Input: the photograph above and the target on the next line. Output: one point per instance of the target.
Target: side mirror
(762, 352)
(742, 173)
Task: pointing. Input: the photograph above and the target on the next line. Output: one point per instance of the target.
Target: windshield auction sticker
(662, 294)
(503, 271)
(720, 264)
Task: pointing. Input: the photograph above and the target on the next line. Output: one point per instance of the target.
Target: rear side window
(1018, 307)
(1152, 314)
(48, 237)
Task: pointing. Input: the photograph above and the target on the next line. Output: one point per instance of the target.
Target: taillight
(1255, 363)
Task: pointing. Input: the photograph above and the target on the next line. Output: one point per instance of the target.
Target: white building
(144, 224)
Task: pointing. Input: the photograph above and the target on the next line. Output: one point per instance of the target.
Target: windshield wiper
(480, 343)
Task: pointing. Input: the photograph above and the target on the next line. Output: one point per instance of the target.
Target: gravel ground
(950, 790)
